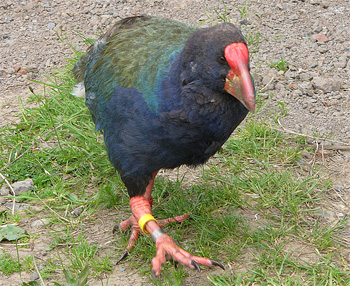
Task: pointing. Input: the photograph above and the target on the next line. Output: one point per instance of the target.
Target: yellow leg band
(143, 220)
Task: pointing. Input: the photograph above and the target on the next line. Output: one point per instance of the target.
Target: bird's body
(159, 91)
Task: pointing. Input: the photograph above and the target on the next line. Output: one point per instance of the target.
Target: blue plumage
(156, 89)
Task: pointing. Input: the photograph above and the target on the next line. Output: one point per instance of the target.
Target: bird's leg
(165, 245)
(133, 223)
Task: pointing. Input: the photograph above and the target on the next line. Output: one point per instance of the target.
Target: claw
(215, 263)
(154, 276)
(195, 264)
(124, 255)
(116, 229)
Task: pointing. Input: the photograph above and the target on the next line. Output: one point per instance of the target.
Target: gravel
(312, 36)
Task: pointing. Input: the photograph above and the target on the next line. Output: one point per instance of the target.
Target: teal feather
(155, 41)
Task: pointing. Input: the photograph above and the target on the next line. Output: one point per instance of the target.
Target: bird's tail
(78, 72)
(79, 90)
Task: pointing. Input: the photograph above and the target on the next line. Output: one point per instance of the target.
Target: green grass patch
(281, 65)
(8, 264)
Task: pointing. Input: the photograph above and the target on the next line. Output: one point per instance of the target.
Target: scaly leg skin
(165, 246)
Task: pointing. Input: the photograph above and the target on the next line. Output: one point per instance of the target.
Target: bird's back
(135, 52)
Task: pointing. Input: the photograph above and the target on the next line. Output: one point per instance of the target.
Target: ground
(313, 91)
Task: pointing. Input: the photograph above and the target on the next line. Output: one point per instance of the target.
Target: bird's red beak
(238, 81)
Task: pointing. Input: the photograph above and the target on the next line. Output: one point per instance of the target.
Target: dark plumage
(159, 91)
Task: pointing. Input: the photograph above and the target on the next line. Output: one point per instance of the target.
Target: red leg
(149, 188)
(165, 246)
(133, 223)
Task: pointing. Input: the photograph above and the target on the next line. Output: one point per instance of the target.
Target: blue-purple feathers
(156, 88)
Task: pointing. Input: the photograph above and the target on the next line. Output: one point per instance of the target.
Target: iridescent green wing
(135, 53)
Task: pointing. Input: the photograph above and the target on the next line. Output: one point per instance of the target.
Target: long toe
(167, 249)
(135, 232)
(180, 218)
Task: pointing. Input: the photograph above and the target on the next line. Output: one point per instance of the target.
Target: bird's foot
(135, 230)
(167, 249)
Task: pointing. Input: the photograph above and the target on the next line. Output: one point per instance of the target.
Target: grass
(8, 265)
(280, 65)
(253, 207)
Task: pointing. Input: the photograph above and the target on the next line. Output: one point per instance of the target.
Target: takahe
(164, 94)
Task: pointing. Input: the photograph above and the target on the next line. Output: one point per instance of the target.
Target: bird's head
(218, 56)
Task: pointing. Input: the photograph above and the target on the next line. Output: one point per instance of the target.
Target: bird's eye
(222, 59)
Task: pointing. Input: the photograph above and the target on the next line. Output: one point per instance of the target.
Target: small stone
(5, 190)
(336, 84)
(305, 76)
(322, 84)
(305, 87)
(342, 62)
(268, 81)
(293, 17)
(36, 208)
(306, 153)
(323, 50)
(23, 186)
(51, 25)
(279, 85)
(297, 92)
(318, 29)
(322, 38)
(244, 22)
(3, 72)
(339, 188)
(22, 72)
(34, 276)
(78, 211)
(40, 222)
(291, 75)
